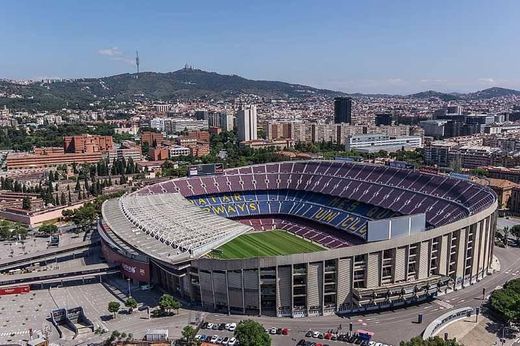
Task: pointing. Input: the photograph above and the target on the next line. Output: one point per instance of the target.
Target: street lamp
(129, 288)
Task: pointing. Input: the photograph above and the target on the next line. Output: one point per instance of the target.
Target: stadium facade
(390, 237)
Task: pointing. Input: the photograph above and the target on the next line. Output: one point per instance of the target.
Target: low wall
(442, 321)
(36, 218)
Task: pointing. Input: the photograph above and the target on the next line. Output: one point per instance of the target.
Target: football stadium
(303, 238)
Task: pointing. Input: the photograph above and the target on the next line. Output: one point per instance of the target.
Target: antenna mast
(137, 62)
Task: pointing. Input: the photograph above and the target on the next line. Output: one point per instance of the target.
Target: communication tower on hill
(137, 63)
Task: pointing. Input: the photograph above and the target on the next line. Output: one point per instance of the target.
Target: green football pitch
(269, 243)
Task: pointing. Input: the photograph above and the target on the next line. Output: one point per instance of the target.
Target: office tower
(226, 121)
(384, 119)
(201, 115)
(247, 123)
(343, 110)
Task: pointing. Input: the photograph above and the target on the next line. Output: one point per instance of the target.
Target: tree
(505, 230)
(113, 308)
(26, 203)
(252, 333)
(63, 199)
(433, 341)
(84, 216)
(168, 303)
(188, 335)
(506, 301)
(515, 231)
(131, 303)
(48, 229)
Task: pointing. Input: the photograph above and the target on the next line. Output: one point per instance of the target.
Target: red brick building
(87, 144)
(151, 138)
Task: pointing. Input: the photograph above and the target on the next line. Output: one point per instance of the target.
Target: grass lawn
(269, 243)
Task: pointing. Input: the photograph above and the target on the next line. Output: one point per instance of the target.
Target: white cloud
(116, 54)
(489, 81)
(114, 51)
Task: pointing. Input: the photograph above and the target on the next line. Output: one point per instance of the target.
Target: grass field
(270, 243)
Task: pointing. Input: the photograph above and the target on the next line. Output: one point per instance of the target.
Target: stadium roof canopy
(167, 226)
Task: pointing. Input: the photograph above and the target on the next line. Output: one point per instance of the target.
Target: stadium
(303, 238)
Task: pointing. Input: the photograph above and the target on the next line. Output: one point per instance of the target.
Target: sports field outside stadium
(269, 243)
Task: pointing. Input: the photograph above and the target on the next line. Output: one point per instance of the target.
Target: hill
(493, 92)
(181, 84)
(434, 94)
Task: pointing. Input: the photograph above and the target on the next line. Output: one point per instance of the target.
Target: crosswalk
(443, 304)
(20, 332)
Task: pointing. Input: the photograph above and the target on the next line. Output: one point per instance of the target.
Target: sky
(369, 46)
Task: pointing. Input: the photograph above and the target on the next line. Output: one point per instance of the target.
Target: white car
(197, 337)
(315, 334)
(232, 342)
(214, 339)
(232, 327)
(227, 326)
(210, 325)
(272, 330)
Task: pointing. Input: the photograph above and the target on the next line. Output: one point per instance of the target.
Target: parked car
(225, 340)
(272, 330)
(209, 325)
(308, 334)
(285, 331)
(213, 339)
(222, 326)
(232, 327)
(232, 342)
(315, 334)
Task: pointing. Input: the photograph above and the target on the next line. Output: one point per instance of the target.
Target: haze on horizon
(373, 46)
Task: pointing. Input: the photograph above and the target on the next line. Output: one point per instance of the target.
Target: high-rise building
(343, 110)
(226, 121)
(247, 123)
(384, 119)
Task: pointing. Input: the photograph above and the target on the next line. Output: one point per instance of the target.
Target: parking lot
(221, 333)
(21, 312)
(33, 244)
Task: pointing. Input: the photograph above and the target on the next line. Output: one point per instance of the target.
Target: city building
(162, 108)
(247, 123)
(177, 150)
(343, 110)
(434, 128)
(152, 139)
(503, 188)
(370, 143)
(159, 153)
(384, 119)
(87, 144)
(279, 144)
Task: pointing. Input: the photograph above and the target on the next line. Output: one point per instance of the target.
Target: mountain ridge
(182, 84)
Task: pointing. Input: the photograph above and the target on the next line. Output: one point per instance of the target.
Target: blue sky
(372, 46)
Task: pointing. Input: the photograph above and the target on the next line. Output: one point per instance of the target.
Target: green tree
(506, 301)
(26, 203)
(168, 303)
(515, 232)
(433, 341)
(131, 303)
(188, 335)
(113, 308)
(252, 333)
(48, 229)
(505, 230)
(84, 216)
